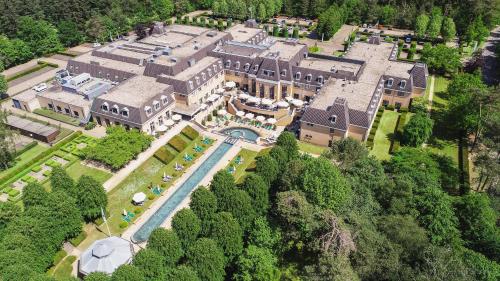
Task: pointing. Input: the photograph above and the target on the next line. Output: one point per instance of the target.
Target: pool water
(180, 194)
(245, 133)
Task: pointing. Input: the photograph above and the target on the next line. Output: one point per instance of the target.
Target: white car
(40, 87)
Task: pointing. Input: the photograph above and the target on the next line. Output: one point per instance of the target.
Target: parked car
(40, 87)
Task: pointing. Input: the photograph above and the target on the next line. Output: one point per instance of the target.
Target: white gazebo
(260, 118)
(139, 198)
(249, 115)
(176, 117)
(240, 113)
(230, 84)
(105, 256)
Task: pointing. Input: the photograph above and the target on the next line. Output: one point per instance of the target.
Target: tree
(7, 145)
(476, 31)
(329, 268)
(279, 154)
(39, 35)
(127, 272)
(60, 180)
(239, 204)
(276, 30)
(187, 226)
(227, 233)
(69, 33)
(448, 30)
(288, 142)
(418, 130)
(285, 31)
(421, 24)
(91, 197)
(295, 33)
(258, 190)
(330, 21)
(346, 152)
(207, 259)
(97, 276)
(151, 264)
(262, 235)
(64, 216)
(222, 182)
(257, 264)
(267, 168)
(167, 243)
(3, 85)
(34, 194)
(203, 203)
(8, 212)
(183, 273)
(296, 215)
(441, 59)
(478, 224)
(163, 8)
(435, 22)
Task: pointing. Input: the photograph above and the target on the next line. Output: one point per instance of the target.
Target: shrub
(78, 239)
(46, 173)
(59, 256)
(177, 143)
(151, 196)
(90, 125)
(13, 192)
(137, 211)
(164, 155)
(123, 224)
(26, 148)
(52, 163)
(390, 107)
(190, 132)
(363, 38)
(36, 169)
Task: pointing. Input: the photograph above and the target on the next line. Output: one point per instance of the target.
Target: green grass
(385, 131)
(428, 89)
(248, 157)
(311, 148)
(63, 270)
(35, 68)
(26, 157)
(77, 169)
(148, 174)
(57, 116)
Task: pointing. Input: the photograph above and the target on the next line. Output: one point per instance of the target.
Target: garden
(240, 163)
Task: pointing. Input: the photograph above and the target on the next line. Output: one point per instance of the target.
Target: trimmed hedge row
(20, 171)
(26, 148)
(164, 155)
(178, 143)
(398, 133)
(376, 122)
(190, 132)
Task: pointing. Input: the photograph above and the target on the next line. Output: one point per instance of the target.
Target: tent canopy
(249, 115)
(221, 112)
(176, 117)
(139, 197)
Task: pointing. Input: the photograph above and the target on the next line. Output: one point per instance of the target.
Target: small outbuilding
(32, 129)
(105, 255)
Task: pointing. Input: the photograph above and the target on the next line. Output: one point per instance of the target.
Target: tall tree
(203, 203)
(226, 231)
(39, 35)
(151, 264)
(187, 226)
(418, 130)
(167, 243)
(91, 197)
(435, 22)
(34, 194)
(207, 259)
(258, 190)
(60, 180)
(421, 24)
(448, 31)
(257, 264)
(127, 272)
(7, 145)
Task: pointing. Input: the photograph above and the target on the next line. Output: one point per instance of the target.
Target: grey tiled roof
(398, 84)
(419, 74)
(339, 109)
(359, 118)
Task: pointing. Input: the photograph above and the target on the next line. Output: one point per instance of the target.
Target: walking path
(142, 157)
(431, 96)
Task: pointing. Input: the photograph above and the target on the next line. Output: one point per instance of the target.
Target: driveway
(491, 65)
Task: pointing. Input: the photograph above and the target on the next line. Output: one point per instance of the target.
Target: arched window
(115, 109)
(125, 112)
(297, 76)
(105, 106)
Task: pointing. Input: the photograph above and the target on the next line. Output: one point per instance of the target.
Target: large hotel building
(181, 70)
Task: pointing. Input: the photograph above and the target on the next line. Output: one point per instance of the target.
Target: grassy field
(26, 157)
(428, 89)
(311, 148)
(77, 169)
(247, 157)
(384, 134)
(62, 271)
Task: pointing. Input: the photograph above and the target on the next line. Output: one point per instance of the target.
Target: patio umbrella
(288, 98)
(297, 103)
(271, 121)
(282, 104)
(161, 128)
(230, 84)
(240, 113)
(267, 101)
(125, 213)
(176, 117)
(249, 115)
(139, 197)
(255, 100)
(169, 122)
(219, 91)
(243, 96)
(221, 112)
(213, 98)
(260, 118)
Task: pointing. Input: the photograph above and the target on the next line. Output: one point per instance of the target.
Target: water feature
(240, 132)
(180, 194)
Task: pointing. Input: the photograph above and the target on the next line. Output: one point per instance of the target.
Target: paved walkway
(142, 157)
(431, 96)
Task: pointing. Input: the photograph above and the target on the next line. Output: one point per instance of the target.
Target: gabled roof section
(419, 74)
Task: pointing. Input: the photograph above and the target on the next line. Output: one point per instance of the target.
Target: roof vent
(173, 59)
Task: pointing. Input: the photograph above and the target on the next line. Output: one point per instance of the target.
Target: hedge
(190, 132)
(164, 155)
(78, 239)
(26, 148)
(59, 256)
(398, 132)
(40, 65)
(177, 143)
(22, 170)
(36, 169)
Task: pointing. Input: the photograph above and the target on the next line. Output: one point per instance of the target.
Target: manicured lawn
(26, 157)
(428, 89)
(247, 157)
(77, 169)
(149, 174)
(385, 131)
(63, 270)
(57, 116)
(311, 148)
(444, 147)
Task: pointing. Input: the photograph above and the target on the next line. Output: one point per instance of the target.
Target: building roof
(106, 255)
(56, 93)
(30, 126)
(136, 91)
(242, 33)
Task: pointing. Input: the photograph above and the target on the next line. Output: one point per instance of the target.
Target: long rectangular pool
(180, 194)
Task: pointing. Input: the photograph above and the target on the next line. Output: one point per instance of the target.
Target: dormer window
(247, 66)
(125, 112)
(308, 77)
(164, 99)
(215, 66)
(402, 84)
(114, 109)
(255, 67)
(333, 119)
(209, 72)
(156, 104)
(320, 79)
(105, 106)
(237, 65)
(197, 80)
(191, 85)
(228, 63)
(203, 76)
(297, 76)
(390, 82)
(148, 110)
(283, 72)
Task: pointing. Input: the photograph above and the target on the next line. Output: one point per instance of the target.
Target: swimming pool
(240, 132)
(180, 194)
